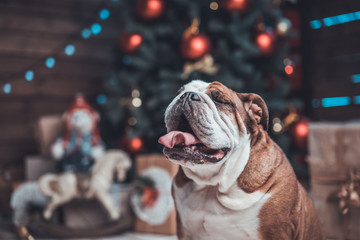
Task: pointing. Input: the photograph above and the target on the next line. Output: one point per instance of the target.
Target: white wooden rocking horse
(61, 188)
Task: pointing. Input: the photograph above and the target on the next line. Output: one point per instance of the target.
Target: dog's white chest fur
(204, 216)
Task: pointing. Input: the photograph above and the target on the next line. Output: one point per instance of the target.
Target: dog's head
(208, 122)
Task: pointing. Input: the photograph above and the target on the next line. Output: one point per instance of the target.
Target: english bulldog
(234, 181)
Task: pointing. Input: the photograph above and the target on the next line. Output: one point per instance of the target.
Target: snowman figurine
(80, 144)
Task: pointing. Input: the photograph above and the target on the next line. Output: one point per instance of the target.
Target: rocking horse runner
(62, 188)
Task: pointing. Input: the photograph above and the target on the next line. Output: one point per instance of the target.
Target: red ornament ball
(265, 42)
(235, 5)
(136, 144)
(195, 46)
(300, 133)
(131, 145)
(150, 9)
(289, 69)
(301, 129)
(130, 42)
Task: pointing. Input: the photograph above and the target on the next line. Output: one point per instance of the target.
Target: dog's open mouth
(183, 144)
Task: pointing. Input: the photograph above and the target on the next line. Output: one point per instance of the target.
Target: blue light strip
(335, 101)
(335, 20)
(355, 78)
(69, 50)
(357, 99)
(7, 88)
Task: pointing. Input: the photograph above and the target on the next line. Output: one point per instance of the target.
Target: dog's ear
(256, 108)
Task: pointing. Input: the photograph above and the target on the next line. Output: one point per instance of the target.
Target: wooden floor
(7, 233)
(130, 236)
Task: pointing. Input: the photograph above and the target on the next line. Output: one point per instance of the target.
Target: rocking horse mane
(109, 162)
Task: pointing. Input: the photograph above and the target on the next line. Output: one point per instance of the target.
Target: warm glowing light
(283, 26)
(302, 129)
(289, 69)
(135, 40)
(197, 44)
(264, 40)
(129, 43)
(277, 127)
(135, 93)
(276, 120)
(136, 102)
(214, 6)
(132, 121)
(150, 9)
(154, 5)
(136, 144)
(235, 5)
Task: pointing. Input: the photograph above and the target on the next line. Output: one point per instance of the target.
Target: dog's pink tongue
(178, 138)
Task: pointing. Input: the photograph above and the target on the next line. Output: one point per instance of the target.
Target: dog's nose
(193, 96)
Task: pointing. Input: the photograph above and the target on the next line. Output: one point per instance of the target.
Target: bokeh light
(289, 69)
(302, 129)
(86, 33)
(69, 50)
(50, 62)
(135, 93)
(214, 6)
(29, 75)
(101, 99)
(7, 88)
(136, 102)
(104, 14)
(96, 28)
(136, 144)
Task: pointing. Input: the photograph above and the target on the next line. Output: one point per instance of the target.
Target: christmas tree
(166, 44)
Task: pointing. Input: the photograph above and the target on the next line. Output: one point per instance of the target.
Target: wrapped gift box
(36, 166)
(334, 151)
(144, 162)
(49, 128)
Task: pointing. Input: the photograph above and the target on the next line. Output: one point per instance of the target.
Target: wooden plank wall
(30, 31)
(331, 57)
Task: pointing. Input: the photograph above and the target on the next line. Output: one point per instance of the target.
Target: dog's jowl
(234, 181)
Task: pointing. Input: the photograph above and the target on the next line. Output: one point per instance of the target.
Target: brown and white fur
(252, 192)
(62, 188)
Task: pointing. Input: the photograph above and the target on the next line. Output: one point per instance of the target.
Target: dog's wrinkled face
(206, 122)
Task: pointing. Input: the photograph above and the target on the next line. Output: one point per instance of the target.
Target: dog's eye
(219, 98)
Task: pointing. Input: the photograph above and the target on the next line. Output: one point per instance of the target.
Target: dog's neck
(264, 158)
(241, 176)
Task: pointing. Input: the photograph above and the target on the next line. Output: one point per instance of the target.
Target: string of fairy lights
(68, 48)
